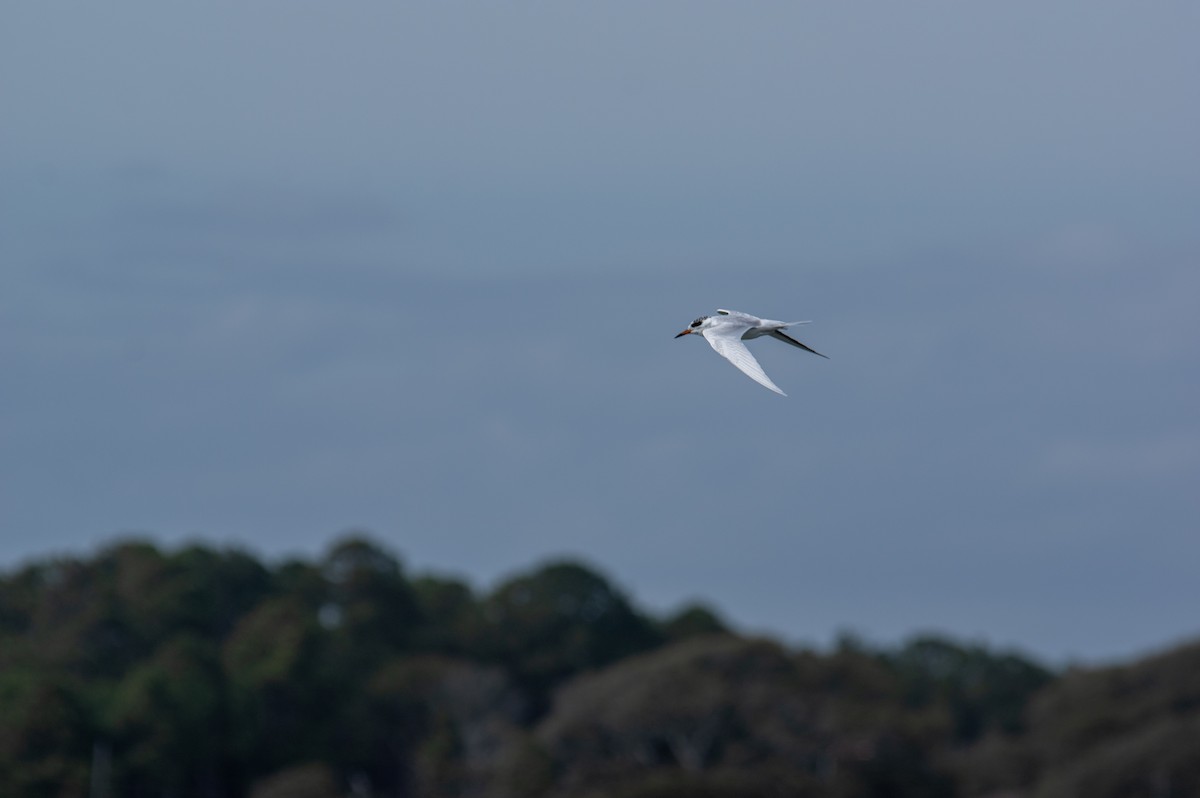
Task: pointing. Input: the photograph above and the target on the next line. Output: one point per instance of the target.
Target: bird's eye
(696, 323)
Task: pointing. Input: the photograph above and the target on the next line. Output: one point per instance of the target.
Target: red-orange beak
(685, 332)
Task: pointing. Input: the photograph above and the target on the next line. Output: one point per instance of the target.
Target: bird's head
(695, 327)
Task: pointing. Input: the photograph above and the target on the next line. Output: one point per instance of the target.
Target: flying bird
(726, 331)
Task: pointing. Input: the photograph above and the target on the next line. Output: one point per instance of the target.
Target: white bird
(726, 331)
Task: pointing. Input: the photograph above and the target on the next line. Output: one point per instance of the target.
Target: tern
(726, 331)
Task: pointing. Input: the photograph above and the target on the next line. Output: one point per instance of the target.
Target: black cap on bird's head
(692, 327)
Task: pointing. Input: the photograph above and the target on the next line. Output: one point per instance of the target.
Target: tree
(723, 715)
(208, 591)
(46, 733)
(169, 725)
(981, 690)
(439, 726)
(693, 620)
(1126, 730)
(559, 620)
(371, 609)
(451, 618)
(281, 693)
(80, 623)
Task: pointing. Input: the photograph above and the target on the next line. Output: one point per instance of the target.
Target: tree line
(206, 673)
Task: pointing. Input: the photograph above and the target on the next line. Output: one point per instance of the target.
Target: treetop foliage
(206, 672)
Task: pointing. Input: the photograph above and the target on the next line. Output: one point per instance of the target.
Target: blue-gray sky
(275, 271)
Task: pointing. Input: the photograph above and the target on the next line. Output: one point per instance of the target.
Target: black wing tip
(805, 347)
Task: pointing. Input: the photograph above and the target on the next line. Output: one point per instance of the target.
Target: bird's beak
(685, 332)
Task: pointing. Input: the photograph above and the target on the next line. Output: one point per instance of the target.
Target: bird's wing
(741, 318)
(727, 340)
(787, 339)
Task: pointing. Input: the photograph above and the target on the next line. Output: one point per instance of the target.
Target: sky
(273, 272)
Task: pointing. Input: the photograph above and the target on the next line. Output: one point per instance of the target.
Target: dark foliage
(981, 691)
(204, 673)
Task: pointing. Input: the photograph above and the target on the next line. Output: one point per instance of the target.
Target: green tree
(281, 693)
(46, 735)
(451, 619)
(981, 690)
(371, 609)
(208, 591)
(79, 622)
(559, 620)
(693, 620)
(168, 723)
